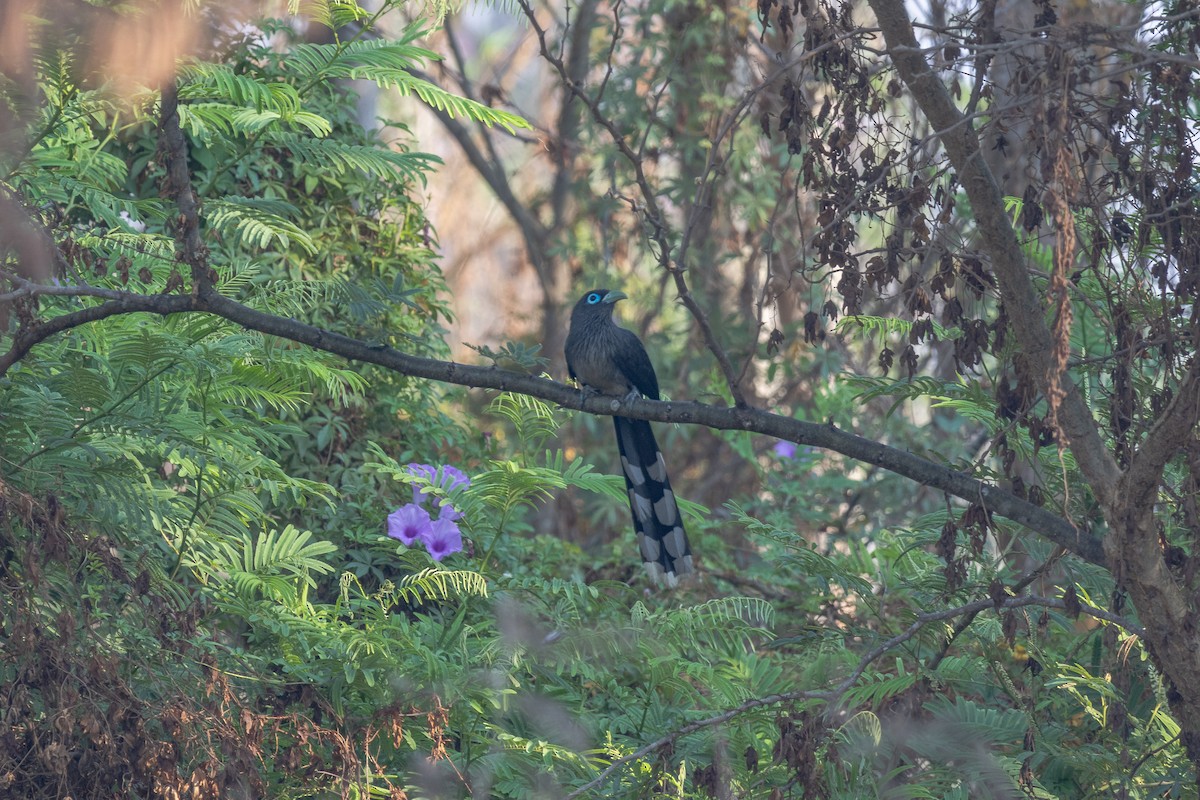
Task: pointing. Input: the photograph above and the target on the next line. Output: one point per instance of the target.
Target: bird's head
(598, 302)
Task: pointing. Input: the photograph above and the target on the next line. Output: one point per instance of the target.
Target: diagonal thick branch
(173, 146)
(1135, 553)
(532, 230)
(1021, 301)
(1141, 480)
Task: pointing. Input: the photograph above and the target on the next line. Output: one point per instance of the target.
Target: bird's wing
(631, 359)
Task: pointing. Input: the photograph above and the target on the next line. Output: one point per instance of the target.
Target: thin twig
(649, 208)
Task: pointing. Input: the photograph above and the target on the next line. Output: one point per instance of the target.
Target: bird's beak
(614, 296)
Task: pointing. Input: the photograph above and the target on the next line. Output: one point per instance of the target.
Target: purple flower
(409, 524)
(446, 478)
(453, 478)
(414, 523)
(785, 449)
(443, 538)
(420, 471)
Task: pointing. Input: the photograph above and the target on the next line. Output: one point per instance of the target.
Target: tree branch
(651, 210)
(492, 172)
(178, 188)
(1173, 427)
(127, 303)
(995, 499)
(826, 436)
(1021, 301)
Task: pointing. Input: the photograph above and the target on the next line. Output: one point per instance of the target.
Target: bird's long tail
(661, 537)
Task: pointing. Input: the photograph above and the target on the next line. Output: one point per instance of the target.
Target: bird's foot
(585, 392)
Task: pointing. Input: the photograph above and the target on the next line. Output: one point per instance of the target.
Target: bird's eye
(593, 298)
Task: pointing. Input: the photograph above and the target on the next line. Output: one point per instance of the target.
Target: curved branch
(491, 171)
(1141, 480)
(126, 303)
(826, 436)
(995, 499)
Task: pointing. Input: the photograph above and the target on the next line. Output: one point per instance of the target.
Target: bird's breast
(604, 377)
(590, 355)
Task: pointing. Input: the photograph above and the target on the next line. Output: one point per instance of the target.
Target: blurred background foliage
(200, 598)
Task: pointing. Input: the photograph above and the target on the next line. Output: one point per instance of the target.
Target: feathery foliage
(203, 596)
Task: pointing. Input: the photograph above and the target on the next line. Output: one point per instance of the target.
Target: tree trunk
(1133, 546)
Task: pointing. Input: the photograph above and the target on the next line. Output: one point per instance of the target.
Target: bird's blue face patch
(594, 298)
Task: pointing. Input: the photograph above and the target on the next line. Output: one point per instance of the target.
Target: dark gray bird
(606, 358)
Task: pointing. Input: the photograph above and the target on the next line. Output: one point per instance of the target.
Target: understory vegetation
(226, 359)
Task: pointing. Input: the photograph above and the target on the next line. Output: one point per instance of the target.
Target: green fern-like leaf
(726, 622)
(257, 223)
(209, 122)
(288, 549)
(157, 249)
(891, 326)
(874, 688)
(388, 64)
(976, 722)
(800, 553)
(212, 121)
(208, 81)
(439, 584)
(82, 162)
(340, 157)
(271, 563)
(871, 387)
(104, 206)
(862, 727)
(442, 100)
(533, 419)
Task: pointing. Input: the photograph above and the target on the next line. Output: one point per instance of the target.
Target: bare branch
(1173, 427)
(649, 207)
(173, 145)
(997, 500)
(492, 172)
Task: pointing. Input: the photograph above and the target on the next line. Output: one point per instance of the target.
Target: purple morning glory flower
(414, 522)
(420, 471)
(409, 524)
(446, 478)
(443, 538)
(785, 449)
(453, 478)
